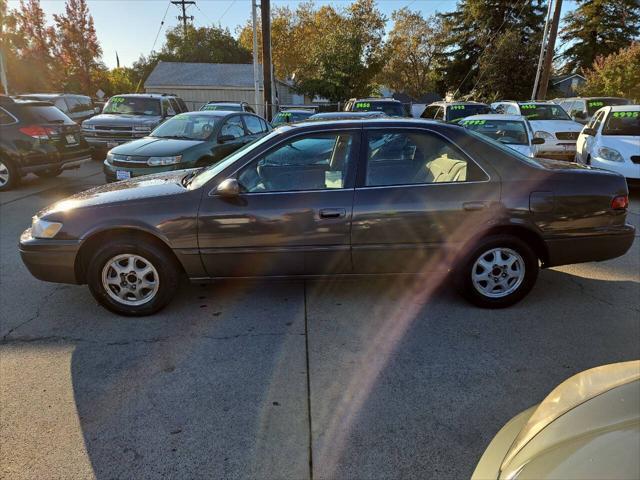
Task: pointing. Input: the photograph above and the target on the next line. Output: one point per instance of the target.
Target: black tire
(9, 175)
(163, 262)
(51, 173)
(486, 250)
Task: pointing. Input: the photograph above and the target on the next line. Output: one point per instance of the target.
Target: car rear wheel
(51, 173)
(9, 175)
(132, 279)
(499, 272)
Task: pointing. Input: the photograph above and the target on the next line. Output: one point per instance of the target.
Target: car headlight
(141, 128)
(158, 161)
(610, 154)
(543, 134)
(43, 229)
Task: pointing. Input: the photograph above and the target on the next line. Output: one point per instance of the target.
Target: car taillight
(36, 131)
(621, 202)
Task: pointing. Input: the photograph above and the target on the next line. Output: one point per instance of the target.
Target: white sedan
(611, 141)
(513, 131)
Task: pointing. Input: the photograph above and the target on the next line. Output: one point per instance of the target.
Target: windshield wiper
(177, 137)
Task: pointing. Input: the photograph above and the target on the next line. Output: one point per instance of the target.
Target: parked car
(128, 117)
(513, 131)
(188, 140)
(347, 115)
(36, 137)
(453, 111)
(388, 106)
(228, 106)
(587, 427)
(291, 115)
(581, 109)
(549, 121)
(77, 107)
(611, 140)
(387, 196)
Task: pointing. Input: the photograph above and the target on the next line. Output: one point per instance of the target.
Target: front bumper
(594, 248)
(48, 259)
(627, 168)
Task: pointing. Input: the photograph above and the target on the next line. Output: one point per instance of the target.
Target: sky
(129, 27)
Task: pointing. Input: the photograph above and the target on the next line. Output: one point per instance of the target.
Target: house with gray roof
(199, 83)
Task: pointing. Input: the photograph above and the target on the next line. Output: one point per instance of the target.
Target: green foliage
(615, 75)
(598, 28)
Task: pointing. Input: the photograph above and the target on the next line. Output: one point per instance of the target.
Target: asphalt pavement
(361, 378)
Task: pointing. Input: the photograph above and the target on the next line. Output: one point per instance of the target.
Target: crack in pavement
(583, 291)
(63, 338)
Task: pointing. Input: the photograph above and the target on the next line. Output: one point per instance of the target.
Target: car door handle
(474, 206)
(333, 213)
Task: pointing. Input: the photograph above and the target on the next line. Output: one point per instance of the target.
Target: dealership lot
(361, 378)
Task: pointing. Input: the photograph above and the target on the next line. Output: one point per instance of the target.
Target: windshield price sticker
(285, 114)
(474, 122)
(363, 105)
(596, 104)
(117, 99)
(457, 107)
(527, 107)
(626, 114)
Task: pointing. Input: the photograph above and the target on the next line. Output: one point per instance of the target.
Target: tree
(76, 47)
(615, 75)
(411, 53)
(598, 28)
(478, 24)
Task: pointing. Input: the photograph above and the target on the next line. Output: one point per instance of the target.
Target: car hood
(553, 126)
(587, 418)
(627, 145)
(155, 147)
(121, 120)
(145, 187)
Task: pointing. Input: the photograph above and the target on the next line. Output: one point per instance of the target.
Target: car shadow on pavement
(401, 386)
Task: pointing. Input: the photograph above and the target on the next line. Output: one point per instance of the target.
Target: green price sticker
(474, 122)
(285, 114)
(210, 108)
(596, 104)
(363, 105)
(626, 114)
(457, 107)
(527, 107)
(117, 99)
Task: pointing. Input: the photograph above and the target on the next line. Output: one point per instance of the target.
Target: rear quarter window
(6, 118)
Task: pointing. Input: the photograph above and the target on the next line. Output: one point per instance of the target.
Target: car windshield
(594, 104)
(393, 109)
(512, 132)
(206, 174)
(133, 106)
(543, 111)
(290, 117)
(460, 111)
(188, 127)
(623, 123)
(228, 107)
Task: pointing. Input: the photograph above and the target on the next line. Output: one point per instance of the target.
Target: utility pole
(543, 43)
(256, 69)
(183, 17)
(265, 11)
(551, 47)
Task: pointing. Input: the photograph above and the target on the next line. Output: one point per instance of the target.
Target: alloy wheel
(130, 279)
(498, 272)
(4, 174)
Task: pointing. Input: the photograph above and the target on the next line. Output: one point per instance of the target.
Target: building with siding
(199, 83)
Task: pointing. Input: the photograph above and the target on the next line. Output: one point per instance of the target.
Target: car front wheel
(9, 175)
(499, 272)
(132, 279)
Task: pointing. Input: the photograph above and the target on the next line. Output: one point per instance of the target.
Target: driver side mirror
(225, 138)
(589, 131)
(228, 188)
(537, 141)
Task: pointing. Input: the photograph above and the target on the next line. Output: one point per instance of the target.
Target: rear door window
(6, 118)
(233, 126)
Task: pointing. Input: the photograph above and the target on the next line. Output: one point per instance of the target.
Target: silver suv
(128, 117)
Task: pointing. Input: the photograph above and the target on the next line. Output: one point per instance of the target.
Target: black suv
(389, 106)
(129, 117)
(36, 137)
(77, 107)
(228, 106)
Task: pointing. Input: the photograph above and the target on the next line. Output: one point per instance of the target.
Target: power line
(161, 25)
(226, 11)
(204, 15)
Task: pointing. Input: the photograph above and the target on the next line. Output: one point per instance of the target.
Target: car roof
(624, 108)
(213, 113)
(231, 102)
(535, 102)
(143, 95)
(457, 102)
(382, 121)
(377, 99)
(297, 110)
(496, 116)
